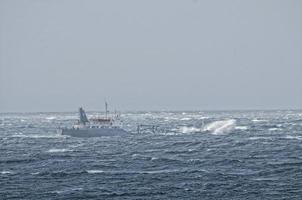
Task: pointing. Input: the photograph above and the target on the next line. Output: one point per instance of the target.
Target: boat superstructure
(95, 126)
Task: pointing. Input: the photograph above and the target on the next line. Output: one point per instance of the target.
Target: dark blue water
(234, 155)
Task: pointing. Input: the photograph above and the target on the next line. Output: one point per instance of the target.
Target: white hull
(93, 132)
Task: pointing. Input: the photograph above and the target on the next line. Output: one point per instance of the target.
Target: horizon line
(162, 110)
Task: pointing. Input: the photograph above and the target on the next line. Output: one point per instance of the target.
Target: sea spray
(220, 127)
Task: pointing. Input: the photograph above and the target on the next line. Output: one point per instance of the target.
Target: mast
(106, 110)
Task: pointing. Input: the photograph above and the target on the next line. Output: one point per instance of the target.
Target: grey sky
(150, 55)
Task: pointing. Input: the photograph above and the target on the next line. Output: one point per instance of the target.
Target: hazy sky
(150, 55)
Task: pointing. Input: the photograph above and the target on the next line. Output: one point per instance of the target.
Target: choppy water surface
(195, 155)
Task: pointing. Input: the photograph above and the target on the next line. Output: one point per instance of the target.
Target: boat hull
(91, 132)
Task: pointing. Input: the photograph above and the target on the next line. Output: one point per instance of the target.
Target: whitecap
(293, 137)
(6, 172)
(275, 129)
(158, 171)
(138, 156)
(58, 150)
(164, 171)
(186, 129)
(50, 118)
(75, 145)
(265, 179)
(135, 155)
(220, 127)
(202, 117)
(241, 127)
(194, 160)
(258, 120)
(185, 119)
(259, 138)
(154, 158)
(167, 119)
(67, 190)
(94, 171)
(130, 172)
(169, 133)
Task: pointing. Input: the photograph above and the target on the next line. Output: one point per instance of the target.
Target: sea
(190, 155)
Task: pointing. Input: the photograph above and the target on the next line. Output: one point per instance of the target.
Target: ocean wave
(186, 143)
(195, 160)
(293, 137)
(67, 190)
(241, 127)
(220, 127)
(169, 133)
(154, 158)
(162, 171)
(185, 119)
(260, 138)
(95, 171)
(17, 160)
(51, 118)
(275, 129)
(259, 120)
(186, 129)
(61, 173)
(58, 150)
(167, 119)
(265, 179)
(35, 136)
(171, 159)
(6, 172)
(141, 157)
(202, 117)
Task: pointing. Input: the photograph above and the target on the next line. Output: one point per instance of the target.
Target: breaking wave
(216, 127)
(220, 127)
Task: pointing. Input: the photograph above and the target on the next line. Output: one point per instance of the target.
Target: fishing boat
(95, 127)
